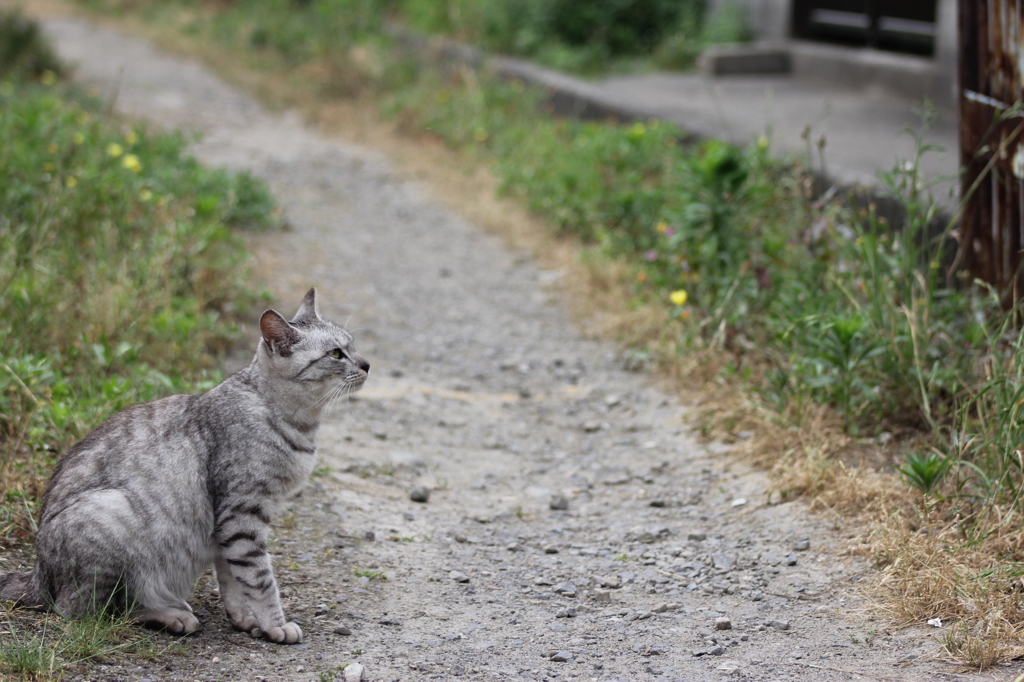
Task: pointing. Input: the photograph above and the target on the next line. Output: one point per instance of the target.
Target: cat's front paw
(289, 633)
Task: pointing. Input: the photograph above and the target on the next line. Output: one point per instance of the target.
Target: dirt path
(575, 529)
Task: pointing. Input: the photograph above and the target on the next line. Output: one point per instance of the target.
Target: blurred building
(908, 46)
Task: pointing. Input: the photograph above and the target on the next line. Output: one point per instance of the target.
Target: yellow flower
(115, 150)
(638, 128)
(72, 181)
(131, 162)
(52, 148)
(47, 166)
(145, 195)
(131, 137)
(679, 297)
(49, 77)
(662, 226)
(79, 138)
(762, 142)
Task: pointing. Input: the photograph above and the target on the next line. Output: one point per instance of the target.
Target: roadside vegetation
(579, 36)
(847, 354)
(119, 269)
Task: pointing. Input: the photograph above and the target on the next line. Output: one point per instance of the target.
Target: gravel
(527, 438)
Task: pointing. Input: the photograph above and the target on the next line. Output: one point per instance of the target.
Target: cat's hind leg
(160, 606)
(178, 621)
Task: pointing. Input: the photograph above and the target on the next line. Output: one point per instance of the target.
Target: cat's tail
(19, 588)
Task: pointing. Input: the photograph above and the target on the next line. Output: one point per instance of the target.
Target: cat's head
(311, 351)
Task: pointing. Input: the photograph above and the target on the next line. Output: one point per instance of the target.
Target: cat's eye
(336, 354)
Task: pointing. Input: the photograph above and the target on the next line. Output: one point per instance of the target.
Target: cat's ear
(277, 333)
(308, 311)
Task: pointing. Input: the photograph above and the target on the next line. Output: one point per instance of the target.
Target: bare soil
(575, 527)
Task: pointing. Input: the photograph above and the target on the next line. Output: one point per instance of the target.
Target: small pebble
(342, 630)
(569, 612)
(717, 650)
(780, 624)
(562, 657)
(459, 537)
(723, 623)
(550, 549)
(697, 536)
(420, 493)
(802, 545)
(566, 588)
(369, 535)
(459, 577)
(559, 502)
(353, 672)
(791, 560)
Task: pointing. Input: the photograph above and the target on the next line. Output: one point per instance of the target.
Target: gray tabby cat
(139, 508)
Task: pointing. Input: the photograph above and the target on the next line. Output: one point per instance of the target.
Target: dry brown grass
(927, 569)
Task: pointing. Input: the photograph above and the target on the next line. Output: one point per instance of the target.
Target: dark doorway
(898, 25)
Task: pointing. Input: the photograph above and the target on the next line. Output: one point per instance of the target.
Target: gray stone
(459, 577)
(802, 545)
(561, 657)
(716, 650)
(559, 502)
(342, 630)
(723, 623)
(567, 588)
(569, 612)
(780, 624)
(697, 536)
(723, 560)
(353, 672)
(420, 493)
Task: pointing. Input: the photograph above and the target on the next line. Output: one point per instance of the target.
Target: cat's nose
(363, 364)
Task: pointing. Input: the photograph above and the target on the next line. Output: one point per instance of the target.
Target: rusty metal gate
(991, 150)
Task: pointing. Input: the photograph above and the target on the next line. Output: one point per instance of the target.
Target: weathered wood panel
(991, 151)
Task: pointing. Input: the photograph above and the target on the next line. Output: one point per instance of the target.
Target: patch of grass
(46, 646)
(372, 575)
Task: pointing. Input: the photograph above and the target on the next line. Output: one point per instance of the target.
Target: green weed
(45, 647)
(925, 472)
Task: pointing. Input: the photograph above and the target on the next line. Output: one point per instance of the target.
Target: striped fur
(139, 508)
